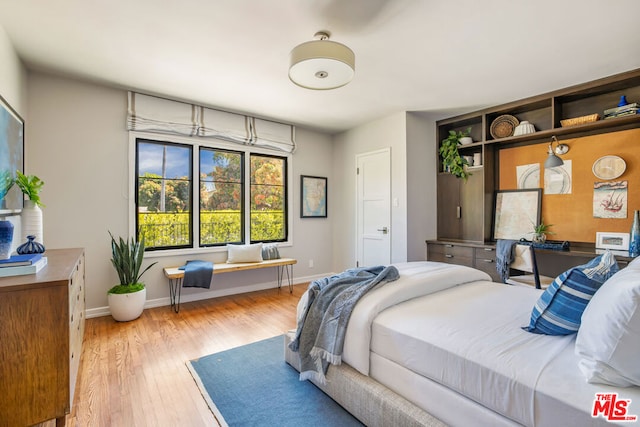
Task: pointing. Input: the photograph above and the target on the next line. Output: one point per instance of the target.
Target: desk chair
(525, 262)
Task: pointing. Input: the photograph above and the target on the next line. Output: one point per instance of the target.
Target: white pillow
(608, 341)
(244, 253)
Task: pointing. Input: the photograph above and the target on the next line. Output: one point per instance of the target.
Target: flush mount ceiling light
(553, 160)
(321, 64)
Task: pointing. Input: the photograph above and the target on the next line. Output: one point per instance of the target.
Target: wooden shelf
(545, 112)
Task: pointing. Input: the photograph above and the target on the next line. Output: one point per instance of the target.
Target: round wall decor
(609, 167)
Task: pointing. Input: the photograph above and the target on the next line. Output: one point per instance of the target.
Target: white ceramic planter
(126, 307)
(31, 220)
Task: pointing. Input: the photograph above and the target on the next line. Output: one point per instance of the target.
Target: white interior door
(373, 209)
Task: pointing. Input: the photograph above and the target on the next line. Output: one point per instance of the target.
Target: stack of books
(625, 110)
(22, 264)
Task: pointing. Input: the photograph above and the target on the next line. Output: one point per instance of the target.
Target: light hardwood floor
(134, 373)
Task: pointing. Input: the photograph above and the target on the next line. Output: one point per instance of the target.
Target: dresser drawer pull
(448, 246)
(489, 249)
(490, 261)
(448, 256)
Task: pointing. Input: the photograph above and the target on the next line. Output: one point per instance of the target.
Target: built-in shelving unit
(545, 112)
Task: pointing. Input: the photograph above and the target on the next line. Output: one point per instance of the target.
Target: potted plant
(31, 216)
(452, 161)
(126, 300)
(540, 231)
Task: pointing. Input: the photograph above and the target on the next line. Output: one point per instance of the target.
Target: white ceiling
(438, 56)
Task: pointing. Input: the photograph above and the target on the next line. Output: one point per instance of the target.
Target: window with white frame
(191, 195)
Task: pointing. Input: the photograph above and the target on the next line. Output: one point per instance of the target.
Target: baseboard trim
(207, 294)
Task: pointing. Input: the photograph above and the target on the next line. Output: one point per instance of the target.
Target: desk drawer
(485, 259)
(452, 254)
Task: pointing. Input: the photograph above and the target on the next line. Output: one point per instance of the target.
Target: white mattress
(469, 339)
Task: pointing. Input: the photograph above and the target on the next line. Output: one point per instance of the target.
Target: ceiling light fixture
(321, 64)
(553, 160)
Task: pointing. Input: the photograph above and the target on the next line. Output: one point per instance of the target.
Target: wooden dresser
(41, 330)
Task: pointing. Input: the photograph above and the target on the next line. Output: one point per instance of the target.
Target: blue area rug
(252, 385)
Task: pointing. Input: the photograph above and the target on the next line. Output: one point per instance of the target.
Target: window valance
(150, 113)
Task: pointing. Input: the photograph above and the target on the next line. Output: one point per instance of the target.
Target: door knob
(384, 230)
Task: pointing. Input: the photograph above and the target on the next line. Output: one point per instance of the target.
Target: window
(241, 195)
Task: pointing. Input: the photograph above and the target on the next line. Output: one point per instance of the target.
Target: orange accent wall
(572, 214)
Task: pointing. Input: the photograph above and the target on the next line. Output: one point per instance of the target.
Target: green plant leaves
(126, 258)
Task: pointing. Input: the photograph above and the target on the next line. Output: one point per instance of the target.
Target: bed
(443, 345)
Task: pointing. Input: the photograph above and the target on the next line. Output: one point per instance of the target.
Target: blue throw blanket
(320, 335)
(197, 274)
(504, 257)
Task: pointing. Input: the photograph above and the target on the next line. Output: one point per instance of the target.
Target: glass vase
(634, 241)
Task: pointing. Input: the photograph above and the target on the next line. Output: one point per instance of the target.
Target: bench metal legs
(175, 287)
(289, 270)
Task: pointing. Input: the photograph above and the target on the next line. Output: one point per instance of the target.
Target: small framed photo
(615, 241)
(313, 197)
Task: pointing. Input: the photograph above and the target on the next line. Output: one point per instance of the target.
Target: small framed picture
(615, 241)
(313, 197)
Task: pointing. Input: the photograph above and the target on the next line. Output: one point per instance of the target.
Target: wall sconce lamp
(553, 160)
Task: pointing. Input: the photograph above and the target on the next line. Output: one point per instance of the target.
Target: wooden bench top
(176, 273)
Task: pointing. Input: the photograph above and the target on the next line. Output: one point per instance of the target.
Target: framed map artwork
(313, 197)
(516, 213)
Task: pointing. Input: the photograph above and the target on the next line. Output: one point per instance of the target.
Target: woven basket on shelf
(579, 120)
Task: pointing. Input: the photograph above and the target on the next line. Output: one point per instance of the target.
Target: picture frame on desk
(613, 241)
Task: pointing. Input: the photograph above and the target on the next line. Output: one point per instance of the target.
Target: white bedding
(459, 330)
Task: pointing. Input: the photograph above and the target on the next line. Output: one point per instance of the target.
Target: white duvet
(416, 279)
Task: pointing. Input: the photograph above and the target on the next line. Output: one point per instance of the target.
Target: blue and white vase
(30, 246)
(6, 239)
(634, 241)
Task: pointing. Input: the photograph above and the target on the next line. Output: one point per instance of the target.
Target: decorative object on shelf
(452, 161)
(503, 126)
(621, 111)
(524, 128)
(30, 246)
(580, 120)
(31, 216)
(465, 140)
(126, 300)
(634, 240)
(469, 160)
(477, 159)
(609, 167)
(540, 231)
(321, 64)
(615, 241)
(623, 101)
(553, 160)
(6, 239)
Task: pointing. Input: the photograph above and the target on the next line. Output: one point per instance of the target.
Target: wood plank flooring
(134, 373)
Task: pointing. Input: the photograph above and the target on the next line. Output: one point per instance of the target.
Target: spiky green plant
(126, 257)
(30, 186)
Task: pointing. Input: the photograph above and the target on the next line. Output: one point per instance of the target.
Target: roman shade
(154, 114)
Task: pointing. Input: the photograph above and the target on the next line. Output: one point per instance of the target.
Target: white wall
(13, 76)
(386, 132)
(77, 143)
(421, 185)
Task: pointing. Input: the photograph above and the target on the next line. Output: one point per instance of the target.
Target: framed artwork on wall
(11, 157)
(516, 213)
(313, 197)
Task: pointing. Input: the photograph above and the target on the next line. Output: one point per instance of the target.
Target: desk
(175, 275)
(482, 256)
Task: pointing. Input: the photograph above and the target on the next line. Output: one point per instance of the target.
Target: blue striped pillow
(560, 307)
